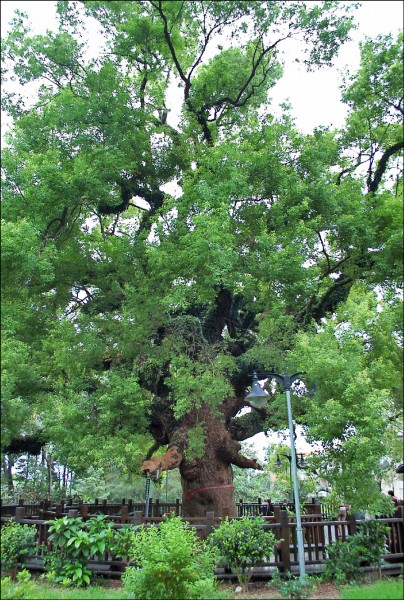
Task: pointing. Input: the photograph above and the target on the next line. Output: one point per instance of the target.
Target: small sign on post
(147, 498)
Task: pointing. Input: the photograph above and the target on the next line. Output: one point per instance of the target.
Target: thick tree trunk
(8, 463)
(207, 485)
(207, 482)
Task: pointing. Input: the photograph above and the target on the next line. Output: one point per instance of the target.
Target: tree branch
(167, 37)
(382, 166)
(247, 425)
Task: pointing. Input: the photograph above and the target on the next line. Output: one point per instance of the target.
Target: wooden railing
(317, 534)
(157, 508)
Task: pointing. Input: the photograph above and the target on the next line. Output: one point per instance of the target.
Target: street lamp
(257, 398)
(301, 464)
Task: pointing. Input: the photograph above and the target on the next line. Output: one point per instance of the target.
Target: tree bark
(207, 481)
(8, 463)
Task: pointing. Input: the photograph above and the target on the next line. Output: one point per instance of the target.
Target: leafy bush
(343, 561)
(122, 541)
(291, 586)
(23, 589)
(17, 542)
(75, 543)
(171, 562)
(242, 544)
(75, 573)
(367, 546)
(372, 536)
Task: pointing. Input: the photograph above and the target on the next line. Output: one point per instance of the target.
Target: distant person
(393, 498)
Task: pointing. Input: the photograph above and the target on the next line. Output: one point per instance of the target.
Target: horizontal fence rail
(157, 508)
(317, 535)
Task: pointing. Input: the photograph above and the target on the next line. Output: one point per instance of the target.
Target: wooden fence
(157, 508)
(317, 535)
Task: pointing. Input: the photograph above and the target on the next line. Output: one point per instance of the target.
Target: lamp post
(300, 465)
(257, 398)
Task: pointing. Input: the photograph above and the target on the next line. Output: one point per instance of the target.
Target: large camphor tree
(164, 235)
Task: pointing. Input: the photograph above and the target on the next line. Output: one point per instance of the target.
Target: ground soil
(261, 590)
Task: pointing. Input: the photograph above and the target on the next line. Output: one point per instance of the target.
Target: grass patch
(391, 589)
(37, 589)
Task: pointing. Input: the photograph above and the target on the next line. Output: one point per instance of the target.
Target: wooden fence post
(177, 507)
(352, 524)
(240, 508)
(318, 532)
(277, 516)
(137, 517)
(19, 513)
(210, 516)
(316, 508)
(157, 508)
(285, 543)
(124, 514)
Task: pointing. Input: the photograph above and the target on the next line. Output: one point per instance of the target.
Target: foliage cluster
(21, 588)
(74, 543)
(123, 541)
(31, 589)
(290, 586)
(17, 542)
(344, 558)
(242, 544)
(134, 315)
(171, 562)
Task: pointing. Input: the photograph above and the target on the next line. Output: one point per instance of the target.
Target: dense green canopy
(132, 312)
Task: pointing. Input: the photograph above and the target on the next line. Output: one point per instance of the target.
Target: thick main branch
(168, 461)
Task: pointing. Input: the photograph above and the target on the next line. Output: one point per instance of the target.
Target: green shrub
(122, 541)
(74, 543)
(23, 589)
(291, 586)
(170, 562)
(242, 544)
(372, 537)
(17, 542)
(344, 559)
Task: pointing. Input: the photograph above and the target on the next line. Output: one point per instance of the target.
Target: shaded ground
(391, 587)
(263, 590)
